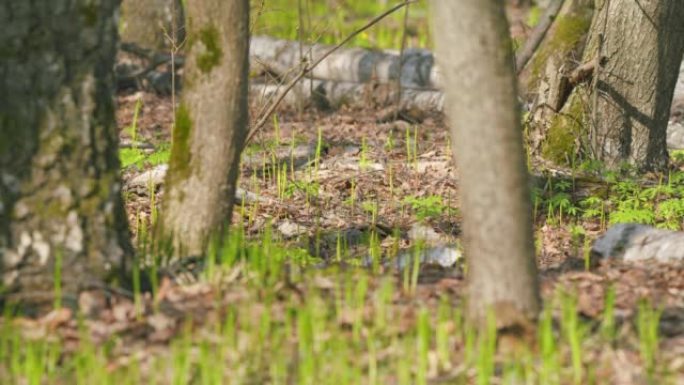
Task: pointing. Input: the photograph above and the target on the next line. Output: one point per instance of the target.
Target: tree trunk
(60, 198)
(474, 52)
(210, 125)
(152, 23)
(545, 79)
(632, 55)
(563, 42)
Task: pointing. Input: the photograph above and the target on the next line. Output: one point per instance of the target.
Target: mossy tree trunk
(60, 190)
(210, 127)
(544, 79)
(153, 24)
(619, 113)
(474, 54)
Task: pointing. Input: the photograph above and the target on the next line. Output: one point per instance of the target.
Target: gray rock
(152, 177)
(291, 229)
(635, 242)
(675, 135)
(442, 256)
(421, 233)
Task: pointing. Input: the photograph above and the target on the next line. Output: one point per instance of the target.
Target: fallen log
(326, 94)
(415, 68)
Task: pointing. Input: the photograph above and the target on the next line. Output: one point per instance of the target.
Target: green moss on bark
(565, 134)
(210, 57)
(569, 32)
(179, 161)
(89, 12)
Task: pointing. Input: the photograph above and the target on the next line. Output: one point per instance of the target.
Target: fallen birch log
(327, 94)
(359, 65)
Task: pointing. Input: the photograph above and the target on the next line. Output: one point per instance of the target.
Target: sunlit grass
(339, 326)
(329, 22)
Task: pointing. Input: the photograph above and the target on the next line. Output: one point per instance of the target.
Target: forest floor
(343, 265)
(377, 185)
(318, 283)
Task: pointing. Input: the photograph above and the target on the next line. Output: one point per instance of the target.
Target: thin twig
(307, 68)
(175, 48)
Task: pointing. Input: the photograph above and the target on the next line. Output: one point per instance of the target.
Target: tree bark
(620, 112)
(60, 190)
(210, 125)
(544, 80)
(151, 23)
(474, 54)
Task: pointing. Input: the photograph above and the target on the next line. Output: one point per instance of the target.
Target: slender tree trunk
(634, 50)
(60, 191)
(211, 125)
(152, 23)
(474, 53)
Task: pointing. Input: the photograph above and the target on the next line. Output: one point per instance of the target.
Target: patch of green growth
(533, 16)
(560, 203)
(648, 320)
(430, 206)
(625, 213)
(135, 157)
(180, 157)
(562, 144)
(677, 156)
(211, 55)
(158, 157)
(130, 157)
(670, 213)
(329, 22)
(594, 207)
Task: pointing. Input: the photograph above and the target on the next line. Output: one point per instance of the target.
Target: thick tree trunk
(210, 126)
(633, 52)
(152, 24)
(563, 42)
(60, 198)
(546, 79)
(473, 49)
